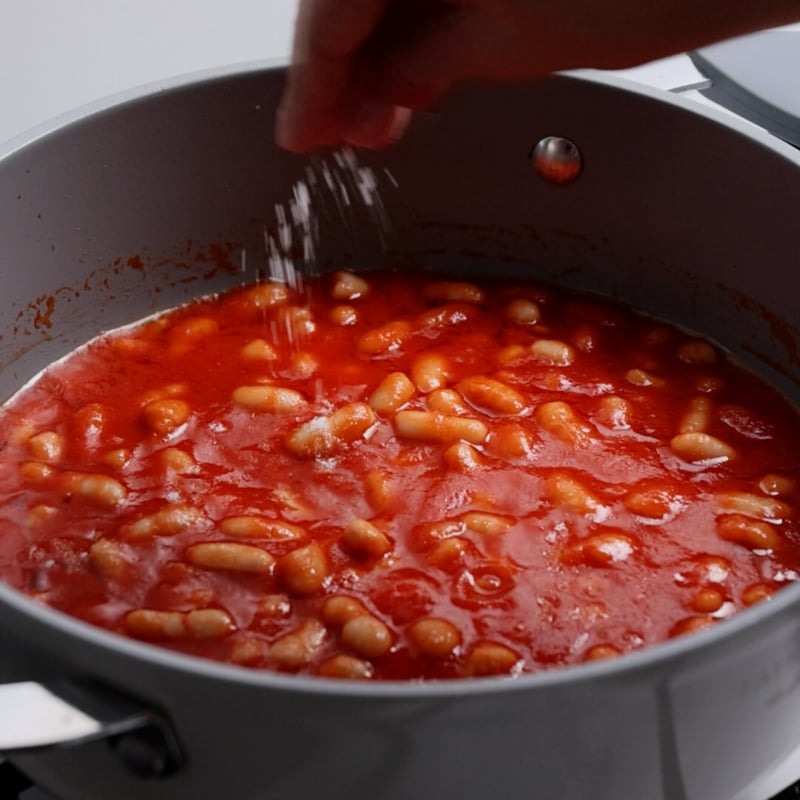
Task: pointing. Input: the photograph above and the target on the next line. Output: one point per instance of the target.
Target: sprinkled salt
(338, 189)
(341, 182)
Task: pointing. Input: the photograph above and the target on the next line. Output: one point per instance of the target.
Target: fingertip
(283, 129)
(377, 125)
(373, 125)
(295, 134)
(400, 123)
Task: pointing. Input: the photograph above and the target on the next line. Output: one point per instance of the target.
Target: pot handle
(37, 716)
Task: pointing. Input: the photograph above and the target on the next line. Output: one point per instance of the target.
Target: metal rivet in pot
(149, 752)
(556, 159)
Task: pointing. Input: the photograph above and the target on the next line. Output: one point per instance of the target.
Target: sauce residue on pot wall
(63, 312)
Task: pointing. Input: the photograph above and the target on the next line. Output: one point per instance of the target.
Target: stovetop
(15, 786)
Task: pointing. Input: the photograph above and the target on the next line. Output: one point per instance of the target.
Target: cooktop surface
(15, 786)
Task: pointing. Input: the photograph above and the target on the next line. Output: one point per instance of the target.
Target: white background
(56, 55)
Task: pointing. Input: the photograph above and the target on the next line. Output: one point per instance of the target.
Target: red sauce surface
(572, 521)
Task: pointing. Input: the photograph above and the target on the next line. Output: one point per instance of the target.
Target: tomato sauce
(399, 476)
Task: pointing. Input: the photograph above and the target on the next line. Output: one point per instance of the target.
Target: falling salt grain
(303, 219)
(367, 184)
(284, 229)
(388, 173)
(341, 184)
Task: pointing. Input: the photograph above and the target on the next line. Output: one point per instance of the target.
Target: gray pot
(686, 213)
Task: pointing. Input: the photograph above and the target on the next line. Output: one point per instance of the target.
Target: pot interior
(141, 205)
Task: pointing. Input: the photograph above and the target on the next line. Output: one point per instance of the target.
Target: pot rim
(196, 78)
(655, 658)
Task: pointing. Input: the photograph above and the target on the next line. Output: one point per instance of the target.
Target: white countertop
(56, 56)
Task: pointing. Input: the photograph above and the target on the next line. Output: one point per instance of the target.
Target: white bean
(431, 426)
(230, 556)
(697, 447)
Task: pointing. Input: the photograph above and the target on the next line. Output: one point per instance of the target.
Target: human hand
(360, 66)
